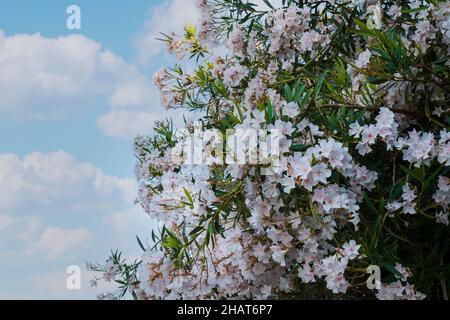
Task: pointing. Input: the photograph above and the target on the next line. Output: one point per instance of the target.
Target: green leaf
(413, 10)
(299, 90)
(319, 84)
(270, 114)
(140, 243)
(376, 80)
(298, 147)
(287, 93)
(186, 192)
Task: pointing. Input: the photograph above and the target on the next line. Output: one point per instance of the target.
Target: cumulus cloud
(170, 16)
(6, 220)
(123, 124)
(56, 241)
(47, 77)
(128, 219)
(18, 235)
(14, 228)
(52, 78)
(52, 285)
(42, 196)
(44, 179)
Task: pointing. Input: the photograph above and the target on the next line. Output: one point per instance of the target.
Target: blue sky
(70, 103)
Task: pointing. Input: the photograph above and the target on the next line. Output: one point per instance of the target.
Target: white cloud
(123, 124)
(52, 78)
(55, 241)
(52, 285)
(24, 237)
(170, 16)
(42, 179)
(49, 202)
(6, 220)
(28, 226)
(129, 219)
(32, 225)
(18, 235)
(49, 77)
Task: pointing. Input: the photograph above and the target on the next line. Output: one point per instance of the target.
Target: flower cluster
(407, 205)
(358, 95)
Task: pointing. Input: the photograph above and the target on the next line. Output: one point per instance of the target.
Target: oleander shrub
(358, 92)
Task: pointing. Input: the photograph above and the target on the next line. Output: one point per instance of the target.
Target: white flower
(351, 249)
(278, 255)
(355, 130)
(442, 217)
(337, 283)
(286, 128)
(363, 148)
(308, 40)
(236, 42)
(424, 31)
(363, 59)
(407, 204)
(404, 272)
(369, 134)
(320, 173)
(306, 274)
(398, 291)
(408, 193)
(253, 258)
(394, 11)
(110, 271)
(420, 147)
(291, 109)
(393, 206)
(233, 75)
(265, 292)
(442, 198)
(443, 149)
(288, 183)
(301, 166)
(260, 251)
(259, 116)
(285, 145)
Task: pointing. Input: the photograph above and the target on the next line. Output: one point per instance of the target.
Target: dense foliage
(359, 91)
